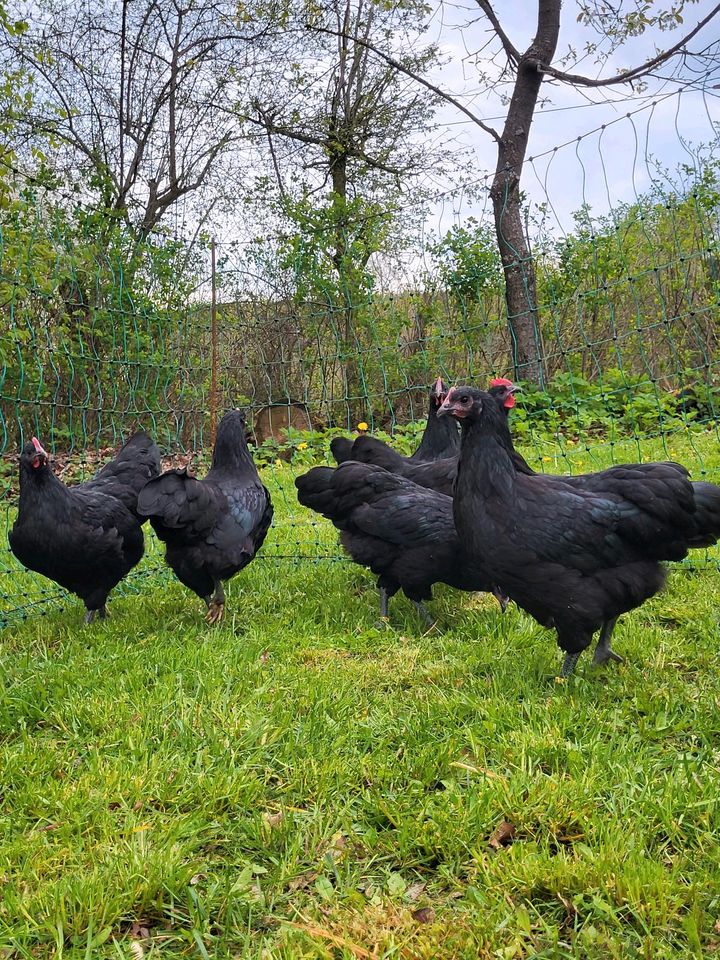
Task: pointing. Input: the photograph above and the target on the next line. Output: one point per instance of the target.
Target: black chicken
(137, 462)
(213, 527)
(341, 448)
(438, 475)
(674, 531)
(87, 537)
(404, 533)
(441, 438)
(573, 555)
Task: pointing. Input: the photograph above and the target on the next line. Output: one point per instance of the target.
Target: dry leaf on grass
(274, 819)
(423, 915)
(303, 881)
(138, 931)
(502, 835)
(414, 890)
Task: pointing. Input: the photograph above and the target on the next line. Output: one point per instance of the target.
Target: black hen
(574, 558)
(137, 462)
(677, 526)
(86, 537)
(438, 475)
(402, 532)
(341, 448)
(213, 527)
(440, 438)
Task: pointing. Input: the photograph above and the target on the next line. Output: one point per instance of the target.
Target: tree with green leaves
(347, 140)
(519, 75)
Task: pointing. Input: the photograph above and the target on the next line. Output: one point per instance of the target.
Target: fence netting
(102, 331)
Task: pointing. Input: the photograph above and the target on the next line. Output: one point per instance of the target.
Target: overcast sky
(605, 167)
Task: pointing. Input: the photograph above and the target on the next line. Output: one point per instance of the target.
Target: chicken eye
(464, 399)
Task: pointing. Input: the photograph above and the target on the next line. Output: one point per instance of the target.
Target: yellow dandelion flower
(547, 459)
(559, 679)
(278, 462)
(362, 425)
(302, 446)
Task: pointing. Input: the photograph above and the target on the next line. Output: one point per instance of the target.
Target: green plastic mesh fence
(101, 332)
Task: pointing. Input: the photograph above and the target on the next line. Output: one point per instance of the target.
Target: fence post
(213, 347)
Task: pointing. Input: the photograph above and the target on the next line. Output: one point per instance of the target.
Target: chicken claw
(101, 614)
(216, 612)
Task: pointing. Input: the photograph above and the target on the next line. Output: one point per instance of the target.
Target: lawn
(302, 783)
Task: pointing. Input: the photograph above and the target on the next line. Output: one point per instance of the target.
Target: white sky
(604, 168)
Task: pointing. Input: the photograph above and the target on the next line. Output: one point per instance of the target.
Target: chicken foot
(427, 618)
(101, 614)
(603, 651)
(216, 605)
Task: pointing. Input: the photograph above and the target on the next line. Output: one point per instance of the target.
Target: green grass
(300, 784)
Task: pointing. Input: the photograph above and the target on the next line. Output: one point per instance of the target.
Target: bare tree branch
(628, 75)
(510, 49)
(396, 65)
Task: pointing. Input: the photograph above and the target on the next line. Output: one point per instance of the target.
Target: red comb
(501, 382)
(37, 445)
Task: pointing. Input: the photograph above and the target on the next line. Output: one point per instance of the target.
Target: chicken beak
(444, 409)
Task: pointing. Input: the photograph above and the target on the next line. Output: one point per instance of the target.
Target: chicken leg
(501, 598)
(216, 605)
(569, 664)
(384, 604)
(425, 614)
(603, 651)
(101, 614)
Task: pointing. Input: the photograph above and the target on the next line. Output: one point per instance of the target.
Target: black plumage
(438, 475)
(212, 527)
(575, 555)
(440, 440)
(341, 448)
(404, 533)
(672, 518)
(86, 537)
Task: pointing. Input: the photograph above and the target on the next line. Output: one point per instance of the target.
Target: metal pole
(214, 347)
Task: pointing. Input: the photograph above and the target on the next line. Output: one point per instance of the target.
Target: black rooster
(575, 555)
(87, 537)
(441, 438)
(404, 533)
(213, 527)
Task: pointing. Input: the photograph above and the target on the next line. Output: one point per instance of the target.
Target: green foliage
(469, 262)
(639, 285)
(91, 317)
(618, 404)
(329, 250)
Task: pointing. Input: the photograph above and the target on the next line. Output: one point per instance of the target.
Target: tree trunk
(520, 286)
(345, 269)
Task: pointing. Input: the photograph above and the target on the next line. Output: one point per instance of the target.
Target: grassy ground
(299, 783)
